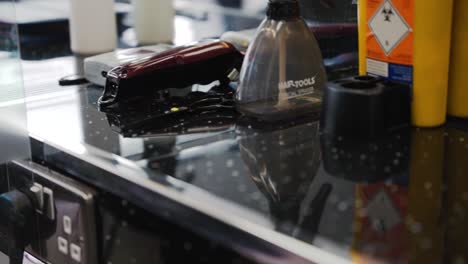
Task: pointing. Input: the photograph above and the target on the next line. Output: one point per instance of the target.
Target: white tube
(93, 26)
(153, 21)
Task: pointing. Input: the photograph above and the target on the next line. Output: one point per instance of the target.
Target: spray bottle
(283, 74)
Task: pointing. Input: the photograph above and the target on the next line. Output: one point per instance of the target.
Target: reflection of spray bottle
(409, 41)
(283, 164)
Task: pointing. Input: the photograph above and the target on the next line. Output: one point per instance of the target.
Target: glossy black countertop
(277, 194)
(274, 193)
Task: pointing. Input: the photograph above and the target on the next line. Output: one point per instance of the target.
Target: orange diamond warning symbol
(389, 27)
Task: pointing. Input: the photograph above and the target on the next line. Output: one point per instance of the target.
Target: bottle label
(297, 88)
(390, 39)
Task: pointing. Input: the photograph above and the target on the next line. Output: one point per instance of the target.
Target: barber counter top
(275, 194)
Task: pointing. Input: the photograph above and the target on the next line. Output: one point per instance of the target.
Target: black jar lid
(283, 9)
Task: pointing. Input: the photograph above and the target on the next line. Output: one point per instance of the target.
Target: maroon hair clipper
(198, 63)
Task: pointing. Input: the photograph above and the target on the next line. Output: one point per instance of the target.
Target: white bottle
(153, 21)
(93, 26)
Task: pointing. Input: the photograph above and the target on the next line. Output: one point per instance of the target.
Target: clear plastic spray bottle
(282, 75)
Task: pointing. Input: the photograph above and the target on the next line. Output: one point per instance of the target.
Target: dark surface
(276, 194)
(393, 199)
(108, 229)
(131, 235)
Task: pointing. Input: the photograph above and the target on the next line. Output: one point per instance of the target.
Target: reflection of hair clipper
(199, 63)
(195, 112)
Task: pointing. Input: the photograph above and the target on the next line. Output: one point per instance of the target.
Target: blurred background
(13, 134)
(44, 31)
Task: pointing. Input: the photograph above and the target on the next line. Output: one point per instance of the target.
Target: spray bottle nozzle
(283, 9)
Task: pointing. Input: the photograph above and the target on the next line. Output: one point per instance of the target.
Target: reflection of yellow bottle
(457, 195)
(458, 90)
(409, 41)
(425, 230)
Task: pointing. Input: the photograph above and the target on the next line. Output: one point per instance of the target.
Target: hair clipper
(199, 63)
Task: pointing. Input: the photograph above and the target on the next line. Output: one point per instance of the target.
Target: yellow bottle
(362, 21)
(458, 89)
(409, 41)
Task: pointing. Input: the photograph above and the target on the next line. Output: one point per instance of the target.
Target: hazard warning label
(390, 39)
(389, 27)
